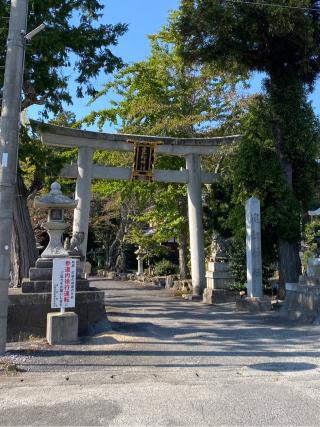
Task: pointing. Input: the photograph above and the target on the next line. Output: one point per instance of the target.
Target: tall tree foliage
(164, 96)
(284, 43)
(253, 168)
(74, 43)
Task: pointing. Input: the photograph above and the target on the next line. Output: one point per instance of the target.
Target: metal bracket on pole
(35, 31)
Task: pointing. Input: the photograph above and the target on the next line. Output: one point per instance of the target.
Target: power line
(284, 6)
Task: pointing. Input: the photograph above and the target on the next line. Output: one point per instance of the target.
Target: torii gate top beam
(67, 137)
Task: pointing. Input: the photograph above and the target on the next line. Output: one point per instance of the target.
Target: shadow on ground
(150, 327)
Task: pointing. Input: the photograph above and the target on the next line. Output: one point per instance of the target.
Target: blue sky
(144, 17)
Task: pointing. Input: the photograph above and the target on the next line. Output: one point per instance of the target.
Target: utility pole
(9, 142)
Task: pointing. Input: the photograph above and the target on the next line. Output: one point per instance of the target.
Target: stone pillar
(198, 272)
(253, 248)
(140, 266)
(83, 195)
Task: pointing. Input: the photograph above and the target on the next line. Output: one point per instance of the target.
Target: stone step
(44, 263)
(45, 273)
(47, 262)
(219, 296)
(45, 286)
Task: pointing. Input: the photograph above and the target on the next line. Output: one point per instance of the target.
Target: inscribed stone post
(253, 248)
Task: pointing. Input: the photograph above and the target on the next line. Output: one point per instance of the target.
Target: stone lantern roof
(140, 251)
(55, 199)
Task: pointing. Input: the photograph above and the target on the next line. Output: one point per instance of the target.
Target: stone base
(313, 267)
(218, 275)
(27, 313)
(254, 304)
(45, 273)
(302, 301)
(62, 328)
(39, 286)
(219, 296)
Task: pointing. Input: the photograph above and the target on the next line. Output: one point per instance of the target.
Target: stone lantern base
(219, 279)
(30, 304)
(40, 278)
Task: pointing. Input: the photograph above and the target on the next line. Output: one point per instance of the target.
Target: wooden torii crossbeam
(190, 148)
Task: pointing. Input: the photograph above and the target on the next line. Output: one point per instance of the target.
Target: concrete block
(62, 328)
(27, 312)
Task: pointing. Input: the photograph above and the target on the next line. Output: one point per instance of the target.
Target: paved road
(171, 362)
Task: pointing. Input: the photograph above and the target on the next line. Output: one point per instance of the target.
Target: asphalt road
(170, 362)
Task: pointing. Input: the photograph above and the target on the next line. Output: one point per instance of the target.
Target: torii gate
(190, 148)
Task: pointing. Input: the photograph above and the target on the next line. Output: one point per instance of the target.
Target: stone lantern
(32, 312)
(56, 204)
(140, 253)
(218, 274)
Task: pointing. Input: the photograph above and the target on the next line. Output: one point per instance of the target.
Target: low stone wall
(254, 304)
(112, 275)
(302, 302)
(159, 281)
(182, 286)
(27, 312)
(170, 281)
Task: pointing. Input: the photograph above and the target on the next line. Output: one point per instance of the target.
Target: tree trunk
(288, 252)
(183, 267)
(289, 264)
(117, 246)
(23, 245)
(183, 240)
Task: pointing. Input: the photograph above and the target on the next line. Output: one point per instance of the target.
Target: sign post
(63, 283)
(62, 328)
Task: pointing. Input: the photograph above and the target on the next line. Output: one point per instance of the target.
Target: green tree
(284, 43)
(164, 96)
(73, 43)
(253, 169)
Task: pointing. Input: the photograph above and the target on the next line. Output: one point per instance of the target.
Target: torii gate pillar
(198, 272)
(83, 194)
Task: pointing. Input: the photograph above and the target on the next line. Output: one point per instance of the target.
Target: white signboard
(64, 273)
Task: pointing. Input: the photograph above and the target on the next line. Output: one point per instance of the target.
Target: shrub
(164, 267)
